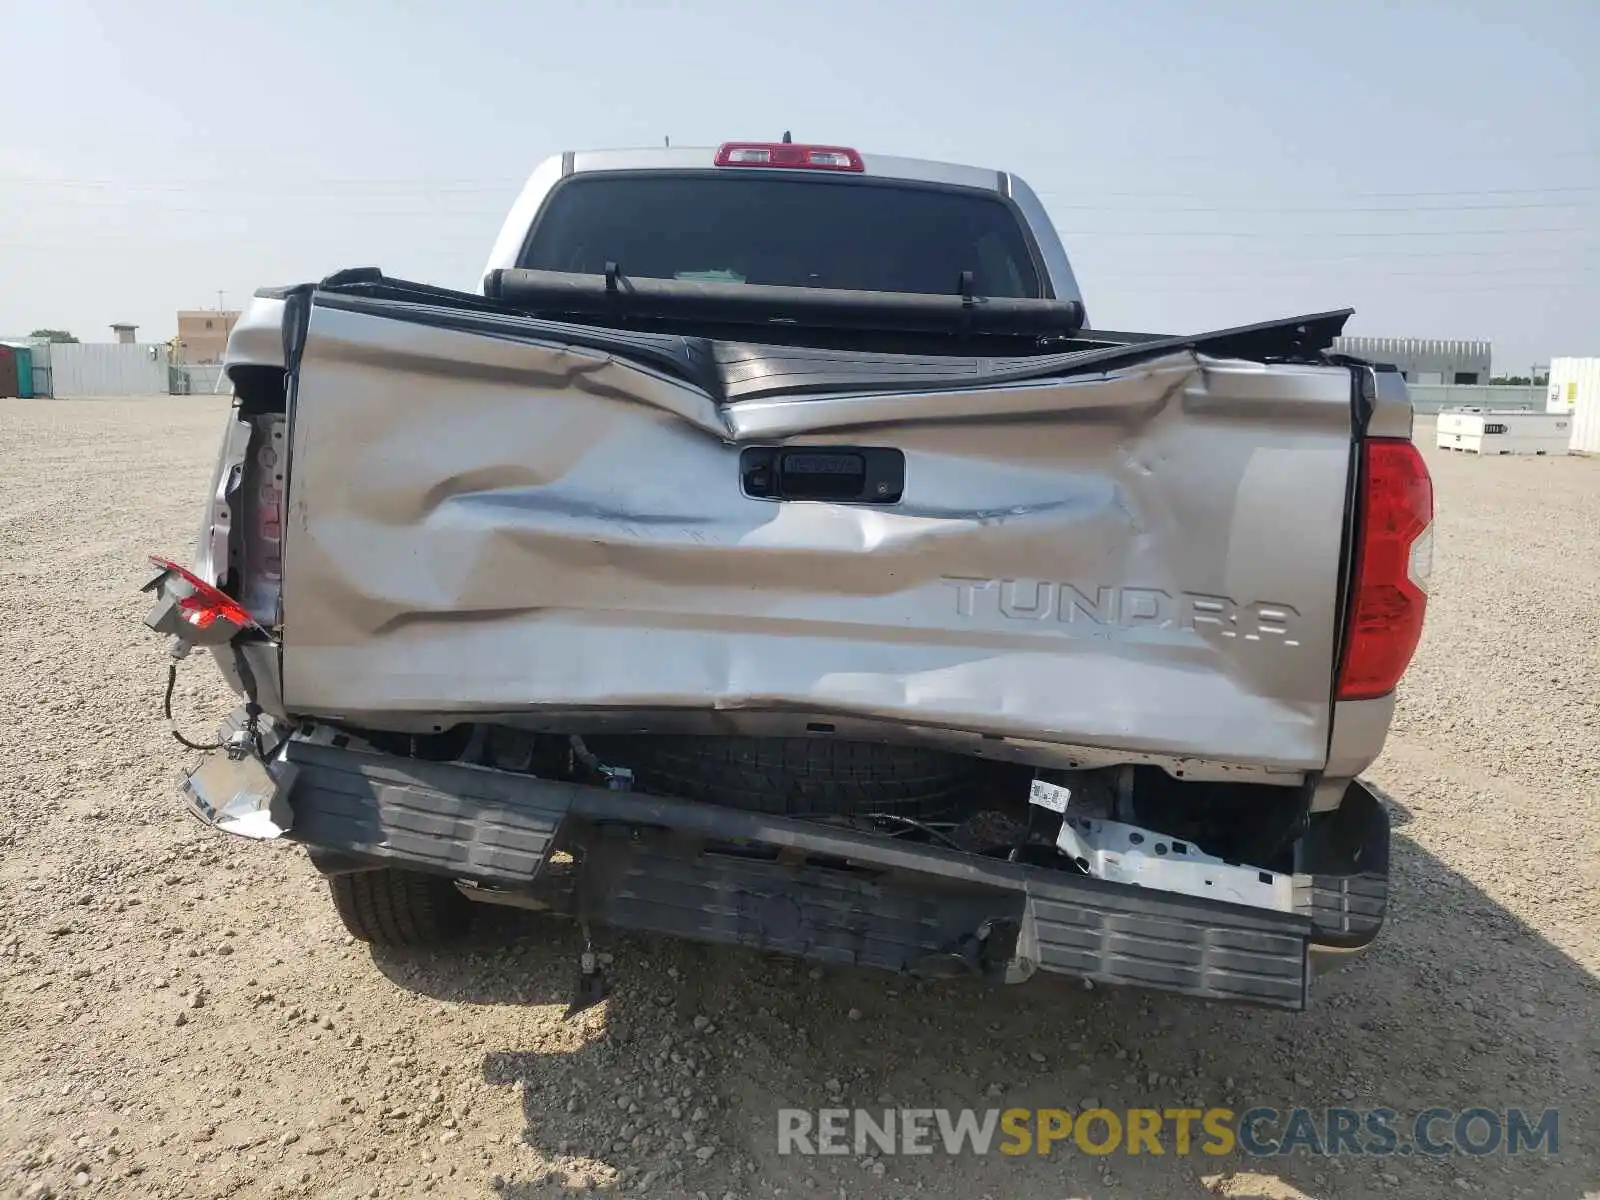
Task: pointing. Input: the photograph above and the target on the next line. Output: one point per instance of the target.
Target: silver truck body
(1146, 562)
(435, 512)
(1135, 566)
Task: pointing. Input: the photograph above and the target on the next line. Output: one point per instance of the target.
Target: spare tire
(798, 777)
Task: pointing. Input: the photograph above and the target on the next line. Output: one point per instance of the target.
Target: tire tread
(391, 907)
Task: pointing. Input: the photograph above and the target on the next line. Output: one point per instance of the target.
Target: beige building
(203, 335)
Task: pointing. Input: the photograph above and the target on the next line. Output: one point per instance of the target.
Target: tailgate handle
(840, 474)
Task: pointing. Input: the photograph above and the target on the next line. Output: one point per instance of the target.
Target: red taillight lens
(204, 605)
(1394, 557)
(787, 154)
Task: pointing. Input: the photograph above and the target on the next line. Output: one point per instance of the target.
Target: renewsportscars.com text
(1433, 1132)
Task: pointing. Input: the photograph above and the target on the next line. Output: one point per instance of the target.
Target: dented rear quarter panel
(1147, 560)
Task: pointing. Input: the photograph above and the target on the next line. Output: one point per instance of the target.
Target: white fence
(196, 379)
(108, 369)
(75, 369)
(1431, 397)
(115, 369)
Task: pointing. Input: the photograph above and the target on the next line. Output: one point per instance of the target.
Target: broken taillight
(204, 605)
(1393, 559)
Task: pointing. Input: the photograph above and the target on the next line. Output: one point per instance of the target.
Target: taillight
(1394, 557)
(787, 154)
(205, 605)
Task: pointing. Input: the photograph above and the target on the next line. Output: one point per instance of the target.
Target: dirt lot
(182, 1015)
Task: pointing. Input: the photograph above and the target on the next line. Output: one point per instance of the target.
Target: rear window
(778, 229)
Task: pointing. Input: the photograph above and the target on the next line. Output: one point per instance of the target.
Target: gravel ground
(182, 1015)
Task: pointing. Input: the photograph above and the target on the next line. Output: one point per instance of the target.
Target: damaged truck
(769, 552)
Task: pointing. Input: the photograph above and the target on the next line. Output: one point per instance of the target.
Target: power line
(1316, 233)
(1294, 256)
(1102, 283)
(425, 185)
(1357, 195)
(451, 238)
(1256, 273)
(329, 201)
(418, 183)
(1349, 208)
(495, 215)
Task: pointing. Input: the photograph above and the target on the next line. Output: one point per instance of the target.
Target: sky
(1433, 164)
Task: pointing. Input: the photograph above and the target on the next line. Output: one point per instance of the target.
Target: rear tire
(403, 909)
(798, 776)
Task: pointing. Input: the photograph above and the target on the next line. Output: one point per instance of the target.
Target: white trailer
(1505, 431)
(1575, 389)
(1572, 381)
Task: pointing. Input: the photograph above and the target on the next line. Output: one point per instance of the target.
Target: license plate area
(833, 474)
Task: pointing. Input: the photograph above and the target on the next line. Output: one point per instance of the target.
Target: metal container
(39, 351)
(24, 371)
(1571, 378)
(1575, 386)
(1512, 431)
(108, 369)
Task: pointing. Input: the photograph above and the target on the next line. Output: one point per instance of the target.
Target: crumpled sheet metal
(1145, 560)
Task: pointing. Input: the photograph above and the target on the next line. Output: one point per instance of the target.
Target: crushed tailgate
(485, 518)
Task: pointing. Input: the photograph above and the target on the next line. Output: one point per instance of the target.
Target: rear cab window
(784, 229)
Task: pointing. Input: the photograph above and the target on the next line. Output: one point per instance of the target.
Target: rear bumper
(830, 894)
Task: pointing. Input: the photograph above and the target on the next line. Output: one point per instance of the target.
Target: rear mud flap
(831, 895)
(466, 822)
(1258, 957)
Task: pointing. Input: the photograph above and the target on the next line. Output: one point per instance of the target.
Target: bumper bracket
(830, 894)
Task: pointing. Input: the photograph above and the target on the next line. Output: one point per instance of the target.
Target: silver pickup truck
(768, 551)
